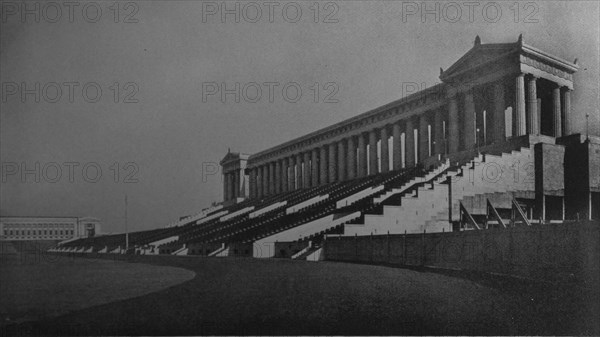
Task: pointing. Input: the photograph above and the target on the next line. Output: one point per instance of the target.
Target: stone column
(284, 175)
(299, 175)
(259, 182)
(385, 150)
(307, 170)
(423, 138)
(396, 150)
(251, 181)
(259, 192)
(230, 186)
(341, 160)
(314, 168)
(438, 137)
(373, 153)
(519, 111)
(533, 122)
(409, 151)
(254, 185)
(499, 124)
(244, 185)
(265, 180)
(323, 165)
(277, 177)
(351, 158)
(332, 162)
(566, 111)
(225, 188)
(556, 109)
(271, 178)
(236, 184)
(268, 179)
(362, 156)
(469, 121)
(453, 129)
(292, 174)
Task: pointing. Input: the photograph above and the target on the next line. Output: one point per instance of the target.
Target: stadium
(491, 148)
(481, 177)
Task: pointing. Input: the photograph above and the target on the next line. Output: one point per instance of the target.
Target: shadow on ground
(244, 296)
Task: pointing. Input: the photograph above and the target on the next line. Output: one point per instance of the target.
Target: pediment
(479, 56)
(230, 156)
(234, 157)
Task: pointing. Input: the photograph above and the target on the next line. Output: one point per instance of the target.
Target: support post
(314, 167)
(469, 121)
(351, 165)
(323, 165)
(499, 128)
(556, 110)
(397, 151)
(453, 129)
(410, 144)
(362, 156)
(533, 123)
(385, 150)
(332, 162)
(372, 152)
(342, 159)
(520, 116)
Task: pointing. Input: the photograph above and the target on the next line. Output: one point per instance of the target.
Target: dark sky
(159, 142)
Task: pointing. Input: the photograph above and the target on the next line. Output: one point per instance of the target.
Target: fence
(552, 252)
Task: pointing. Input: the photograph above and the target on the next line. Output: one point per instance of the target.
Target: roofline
(473, 50)
(519, 46)
(45, 217)
(551, 58)
(242, 156)
(369, 113)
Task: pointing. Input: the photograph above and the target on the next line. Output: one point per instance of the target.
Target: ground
(33, 287)
(266, 297)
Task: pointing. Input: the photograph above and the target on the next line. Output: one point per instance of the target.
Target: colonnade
(467, 119)
(372, 152)
(232, 185)
(530, 102)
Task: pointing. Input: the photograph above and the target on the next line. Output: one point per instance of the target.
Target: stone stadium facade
(490, 148)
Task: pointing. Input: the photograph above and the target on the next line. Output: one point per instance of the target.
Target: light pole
(477, 141)
(126, 230)
(587, 126)
(445, 147)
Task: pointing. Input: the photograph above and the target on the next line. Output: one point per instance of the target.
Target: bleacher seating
(368, 205)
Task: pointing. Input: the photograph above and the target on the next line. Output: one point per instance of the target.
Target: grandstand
(491, 147)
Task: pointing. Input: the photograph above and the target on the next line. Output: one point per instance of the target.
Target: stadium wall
(553, 252)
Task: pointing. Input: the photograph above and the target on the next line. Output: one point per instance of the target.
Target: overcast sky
(153, 146)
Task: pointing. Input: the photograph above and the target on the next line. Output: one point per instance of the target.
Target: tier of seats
(246, 229)
(387, 202)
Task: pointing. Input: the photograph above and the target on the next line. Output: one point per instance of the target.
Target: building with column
(23, 228)
(496, 98)
(491, 146)
(235, 181)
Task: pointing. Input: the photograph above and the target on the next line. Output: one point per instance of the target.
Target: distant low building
(26, 228)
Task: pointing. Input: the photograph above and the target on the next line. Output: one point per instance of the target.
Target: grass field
(267, 297)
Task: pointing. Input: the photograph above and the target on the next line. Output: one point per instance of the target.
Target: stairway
(426, 208)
